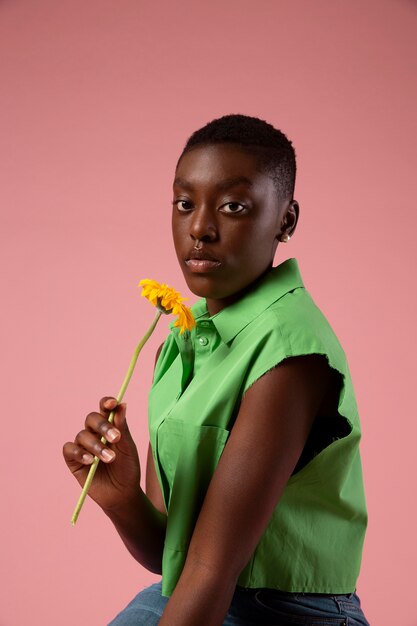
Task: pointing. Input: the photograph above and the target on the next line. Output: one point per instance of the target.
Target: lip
(200, 261)
(202, 266)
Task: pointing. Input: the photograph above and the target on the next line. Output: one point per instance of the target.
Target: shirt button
(203, 341)
(205, 324)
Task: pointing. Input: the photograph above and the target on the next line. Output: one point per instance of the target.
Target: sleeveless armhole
(303, 331)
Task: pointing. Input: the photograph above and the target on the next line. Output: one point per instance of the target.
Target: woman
(254, 510)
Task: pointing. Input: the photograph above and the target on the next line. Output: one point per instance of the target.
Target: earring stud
(285, 237)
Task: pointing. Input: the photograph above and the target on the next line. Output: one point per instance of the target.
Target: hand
(117, 479)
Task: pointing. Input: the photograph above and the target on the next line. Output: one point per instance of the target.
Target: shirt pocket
(188, 455)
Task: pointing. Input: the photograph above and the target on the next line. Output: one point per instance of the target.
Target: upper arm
(153, 488)
(272, 426)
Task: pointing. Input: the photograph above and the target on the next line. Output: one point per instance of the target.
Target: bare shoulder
(294, 387)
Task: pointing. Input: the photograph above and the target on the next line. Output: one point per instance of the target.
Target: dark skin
(230, 211)
(225, 235)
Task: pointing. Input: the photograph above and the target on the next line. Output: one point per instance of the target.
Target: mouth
(200, 261)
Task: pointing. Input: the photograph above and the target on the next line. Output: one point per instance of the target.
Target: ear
(289, 220)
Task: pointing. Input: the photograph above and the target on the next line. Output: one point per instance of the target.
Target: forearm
(142, 529)
(200, 597)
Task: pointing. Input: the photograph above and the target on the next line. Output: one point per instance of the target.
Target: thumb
(126, 441)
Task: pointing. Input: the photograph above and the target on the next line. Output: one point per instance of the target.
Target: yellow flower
(167, 300)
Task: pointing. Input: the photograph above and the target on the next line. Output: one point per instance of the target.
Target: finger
(88, 440)
(125, 444)
(75, 456)
(97, 423)
(120, 423)
(107, 404)
(120, 417)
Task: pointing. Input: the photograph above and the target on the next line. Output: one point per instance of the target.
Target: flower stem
(119, 398)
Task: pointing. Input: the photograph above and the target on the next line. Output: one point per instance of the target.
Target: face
(226, 222)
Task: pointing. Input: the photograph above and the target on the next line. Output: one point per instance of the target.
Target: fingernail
(87, 458)
(107, 455)
(112, 434)
(110, 404)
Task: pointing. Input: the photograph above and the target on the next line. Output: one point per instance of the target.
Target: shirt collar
(273, 286)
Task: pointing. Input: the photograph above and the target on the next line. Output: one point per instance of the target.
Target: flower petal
(169, 301)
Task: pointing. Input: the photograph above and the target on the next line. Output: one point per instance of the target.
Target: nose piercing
(197, 245)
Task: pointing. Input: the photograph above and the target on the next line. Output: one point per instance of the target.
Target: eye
(182, 205)
(232, 208)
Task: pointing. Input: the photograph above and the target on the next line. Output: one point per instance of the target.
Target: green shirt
(313, 542)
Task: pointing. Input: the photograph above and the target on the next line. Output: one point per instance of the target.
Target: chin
(200, 287)
(204, 286)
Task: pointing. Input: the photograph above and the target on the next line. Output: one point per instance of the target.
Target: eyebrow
(222, 185)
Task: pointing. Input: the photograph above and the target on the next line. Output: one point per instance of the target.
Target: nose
(203, 225)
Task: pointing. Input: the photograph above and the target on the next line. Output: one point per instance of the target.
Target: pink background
(97, 99)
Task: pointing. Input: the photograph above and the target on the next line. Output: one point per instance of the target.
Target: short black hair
(273, 150)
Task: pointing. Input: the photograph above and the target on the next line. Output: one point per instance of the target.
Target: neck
(216, 305)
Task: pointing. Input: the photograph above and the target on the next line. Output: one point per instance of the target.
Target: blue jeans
(256, 607)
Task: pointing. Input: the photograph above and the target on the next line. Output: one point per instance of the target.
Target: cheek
(177, 229)
(254, 243)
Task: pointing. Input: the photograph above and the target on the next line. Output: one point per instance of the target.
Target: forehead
(212, 164)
